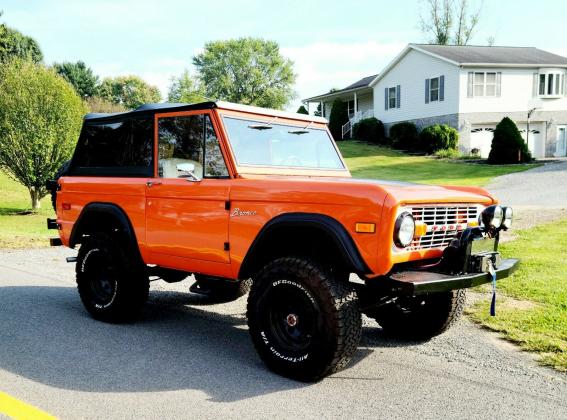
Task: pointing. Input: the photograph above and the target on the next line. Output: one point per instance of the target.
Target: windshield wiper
(260, 127)
(298, 132)
(264, 126)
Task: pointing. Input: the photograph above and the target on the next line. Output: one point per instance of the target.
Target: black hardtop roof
(146, 110)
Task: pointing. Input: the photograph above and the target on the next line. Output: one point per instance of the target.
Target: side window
(188, 144)
(122, 148)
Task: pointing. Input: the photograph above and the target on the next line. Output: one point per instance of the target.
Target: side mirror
(188, 170)
(185, 167)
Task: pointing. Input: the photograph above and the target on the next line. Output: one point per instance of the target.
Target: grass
(369, 161)
(531, 308)
(19, 227)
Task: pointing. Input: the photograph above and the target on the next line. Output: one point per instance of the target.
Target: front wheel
(304, 323)
(421, 317)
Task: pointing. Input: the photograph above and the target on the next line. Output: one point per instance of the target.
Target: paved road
(186, 358)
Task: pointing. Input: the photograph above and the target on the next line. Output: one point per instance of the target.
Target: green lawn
(369, 161)
(19, 228)
(531, 307)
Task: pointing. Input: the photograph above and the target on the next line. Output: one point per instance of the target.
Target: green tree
(302, 110)
(128, 91)
(247, 70)
(40, 120)
(13, 44)
(338, 118)
(98, 104)
(186, 89)
(80, 76)
(318, 111)
(449, 21)
(508, 146)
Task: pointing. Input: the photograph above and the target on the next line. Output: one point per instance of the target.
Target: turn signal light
(472, 223)
(365, 228)
(420, 230)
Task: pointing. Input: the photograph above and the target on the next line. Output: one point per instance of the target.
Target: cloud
(322, 66)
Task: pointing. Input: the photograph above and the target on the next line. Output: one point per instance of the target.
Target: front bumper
(422, 282)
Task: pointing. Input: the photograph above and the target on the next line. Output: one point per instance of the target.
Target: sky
(332, 44)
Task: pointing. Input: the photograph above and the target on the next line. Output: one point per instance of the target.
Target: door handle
(149, 184)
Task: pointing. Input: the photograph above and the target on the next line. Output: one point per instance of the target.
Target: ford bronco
(250, 198)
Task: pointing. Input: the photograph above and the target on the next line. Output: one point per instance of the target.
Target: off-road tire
(60, 172)
(221, 289)
(326, 319)
(112, 282)
(439, 313)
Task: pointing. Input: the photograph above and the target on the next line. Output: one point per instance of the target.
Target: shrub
(437, 137)
(338, 118)
(302, 110)
(404, 136)
(370, 130)
(448, 154)
(508, 146)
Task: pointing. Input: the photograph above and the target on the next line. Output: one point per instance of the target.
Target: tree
(128, 91)
(449, 21)
(508, 146)
(80, 76)
(338, 118)
(40, 120)
(302, 110)
(13, 44)
(98, 104)
(247, 70)
(186, 89)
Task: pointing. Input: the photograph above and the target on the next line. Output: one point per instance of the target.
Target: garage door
(535, 139)
(481, 139)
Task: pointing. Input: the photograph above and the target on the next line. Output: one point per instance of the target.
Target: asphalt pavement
(187, 358)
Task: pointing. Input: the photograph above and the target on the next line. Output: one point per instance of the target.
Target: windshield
(261, 143)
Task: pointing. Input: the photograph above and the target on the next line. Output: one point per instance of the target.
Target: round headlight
(508, 216)
(492, 216)
(404, 230)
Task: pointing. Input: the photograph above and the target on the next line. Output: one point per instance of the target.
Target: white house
(470, 88)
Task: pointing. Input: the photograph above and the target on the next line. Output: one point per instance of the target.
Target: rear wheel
(304, 323)
(112, 283)
(421, 317)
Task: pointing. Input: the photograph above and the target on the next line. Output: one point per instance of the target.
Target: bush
(508, 146)
(370, 130)
(338, 118)
(448, 154)
(438, 137)
(404, 136)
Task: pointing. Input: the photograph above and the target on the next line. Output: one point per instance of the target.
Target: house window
(434, 89)
(484, 83)
(551, 84)
(392, 97)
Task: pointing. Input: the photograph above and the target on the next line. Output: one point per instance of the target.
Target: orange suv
(258, 200)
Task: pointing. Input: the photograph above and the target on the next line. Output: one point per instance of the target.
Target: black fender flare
(110, 209)
(332, 227)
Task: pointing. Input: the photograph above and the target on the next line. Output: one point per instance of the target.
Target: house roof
(359, 84)
(470, 54)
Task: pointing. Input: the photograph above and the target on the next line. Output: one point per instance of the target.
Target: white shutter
(536, 84)
(498, 84)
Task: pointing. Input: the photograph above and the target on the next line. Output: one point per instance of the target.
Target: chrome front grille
(443, 224)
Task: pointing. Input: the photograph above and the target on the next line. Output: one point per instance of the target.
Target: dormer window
(551, 84)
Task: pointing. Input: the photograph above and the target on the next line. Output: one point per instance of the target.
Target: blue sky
(331, 43)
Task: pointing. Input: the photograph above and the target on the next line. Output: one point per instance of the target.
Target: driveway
(186, 358)
(537, 195)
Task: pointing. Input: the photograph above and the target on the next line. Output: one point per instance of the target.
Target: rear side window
(122, 148)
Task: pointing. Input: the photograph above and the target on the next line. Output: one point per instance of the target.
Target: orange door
(186, 213)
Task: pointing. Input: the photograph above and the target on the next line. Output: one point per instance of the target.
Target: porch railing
(360, 115)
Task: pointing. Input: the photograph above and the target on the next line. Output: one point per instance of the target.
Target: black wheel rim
(101, 278)
(291, 318)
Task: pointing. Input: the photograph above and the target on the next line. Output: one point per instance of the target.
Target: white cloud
(322, 66)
